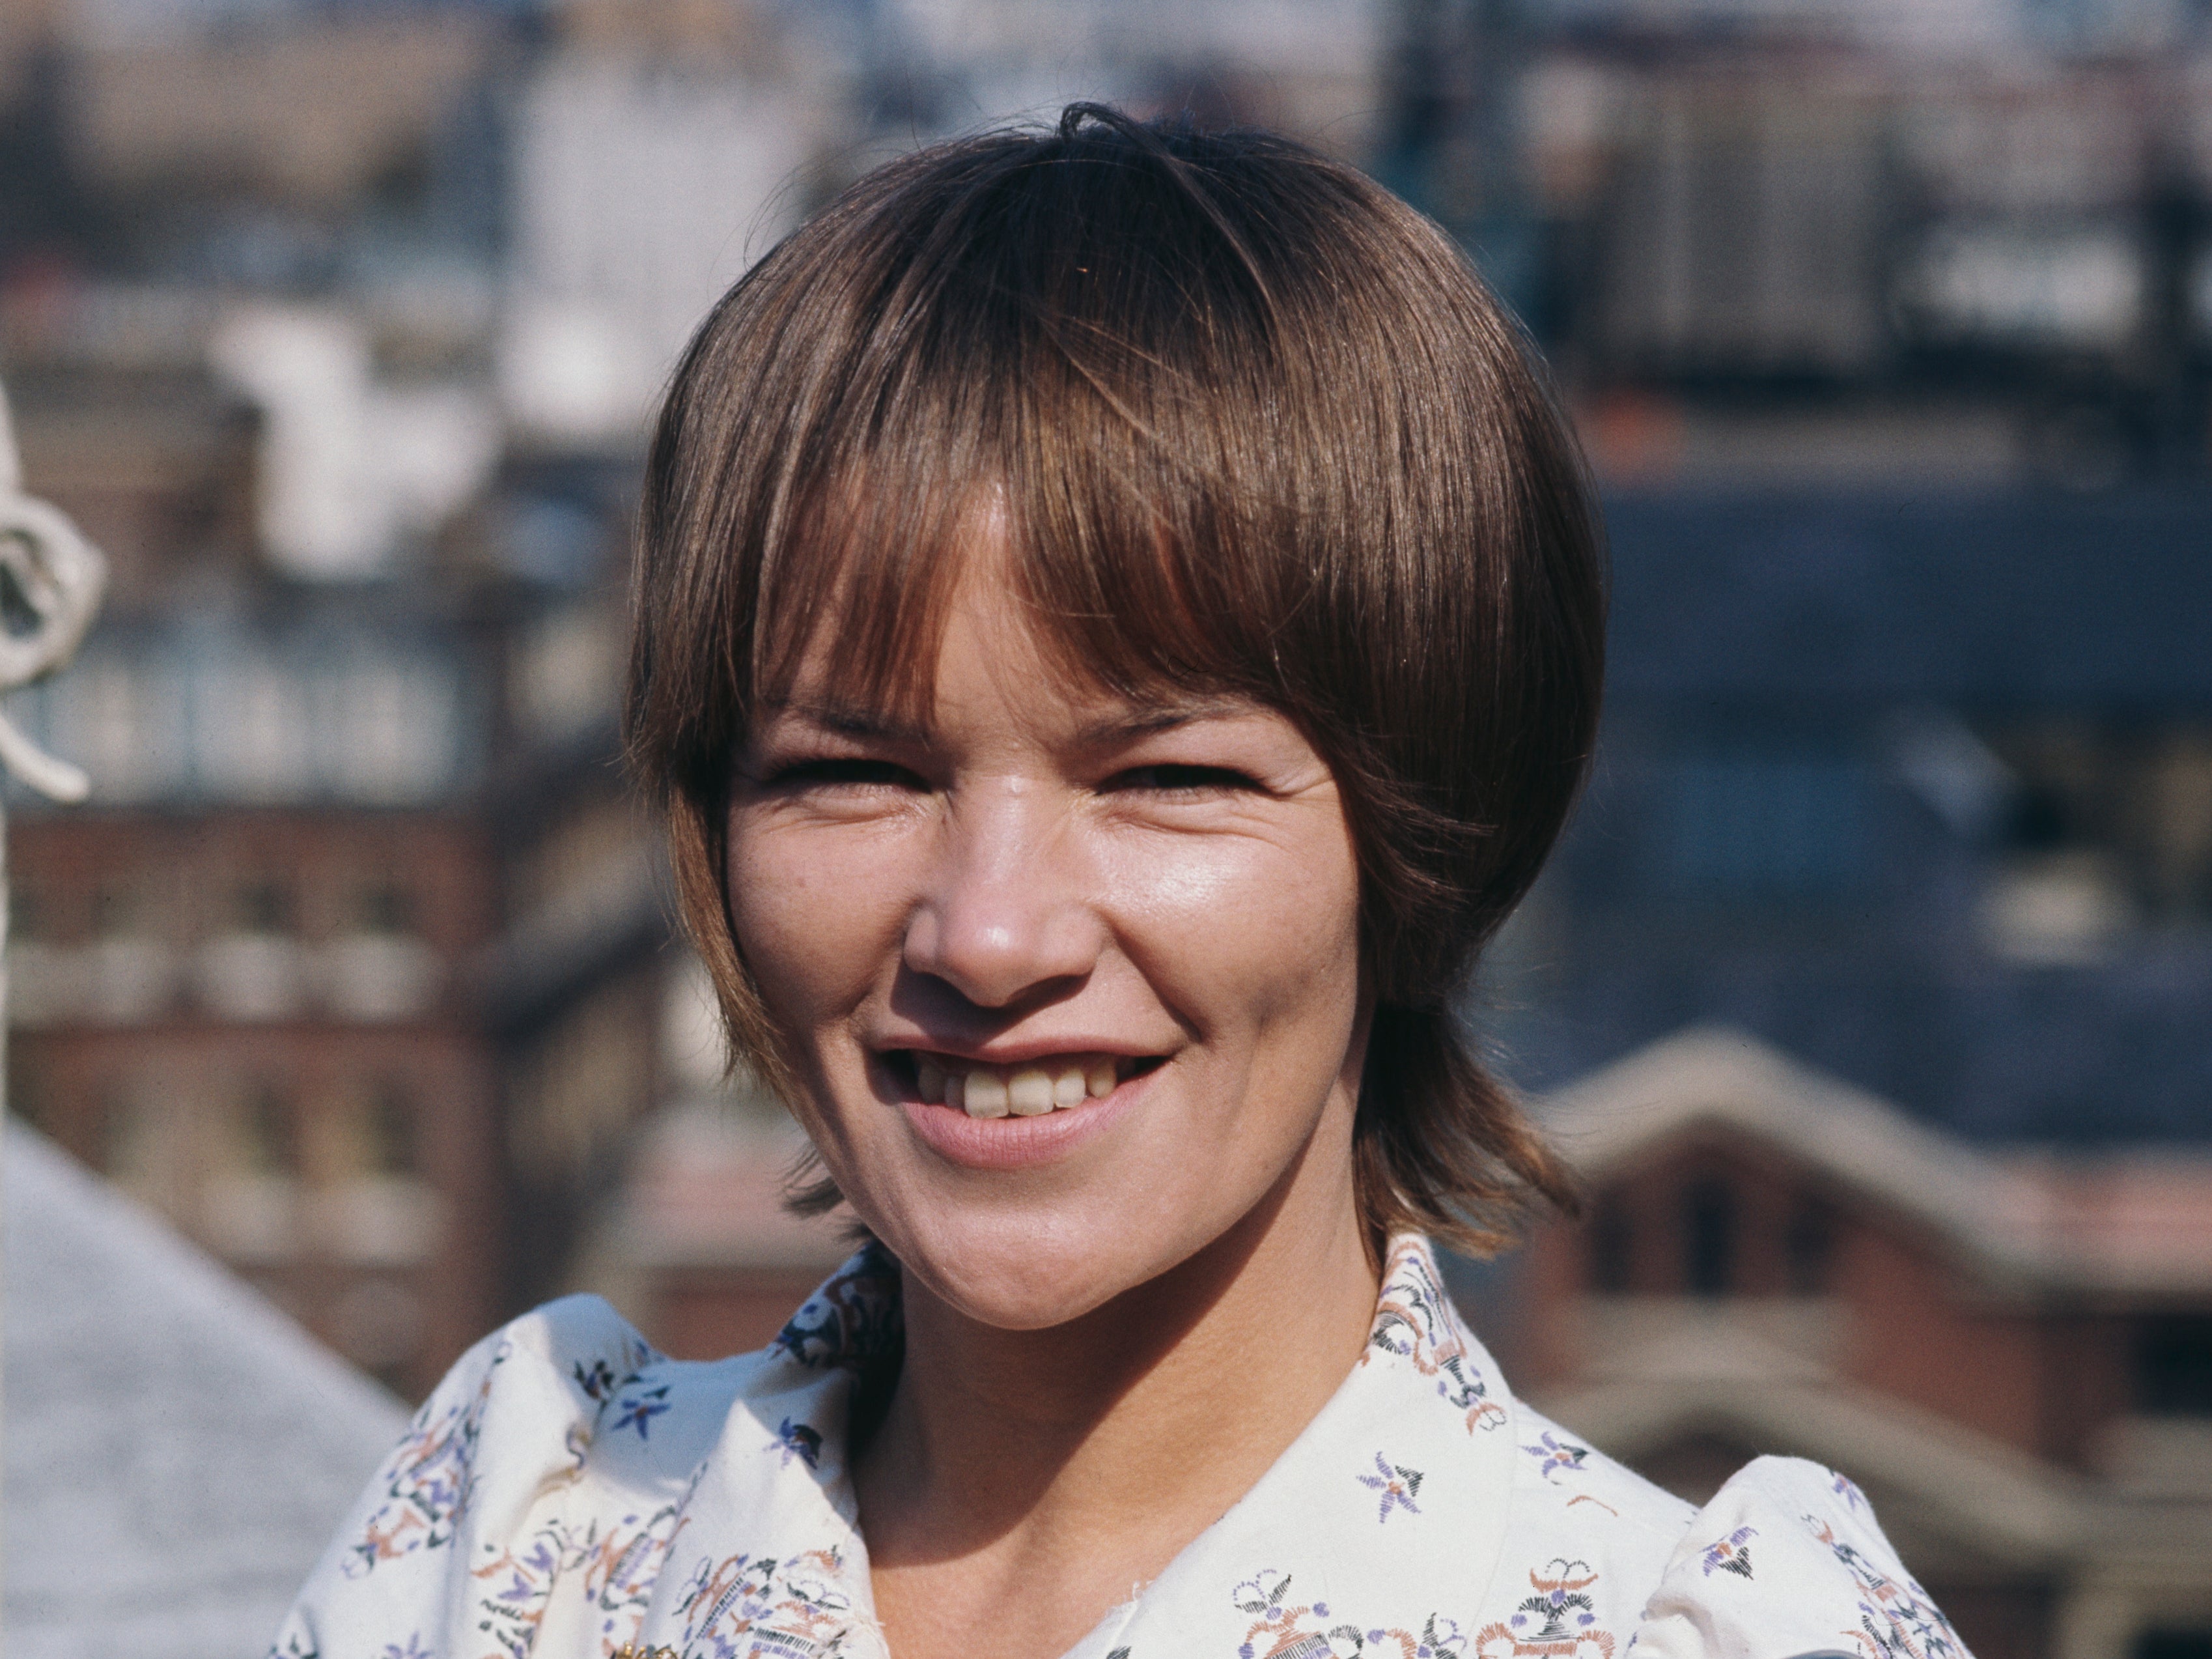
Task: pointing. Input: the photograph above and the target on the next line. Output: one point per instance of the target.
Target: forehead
(974, 688)
(911, 613)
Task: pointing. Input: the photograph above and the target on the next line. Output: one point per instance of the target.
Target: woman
(1118, 626)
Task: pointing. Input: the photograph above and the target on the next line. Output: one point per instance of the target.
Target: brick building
(351, 965)
(2011, 1352)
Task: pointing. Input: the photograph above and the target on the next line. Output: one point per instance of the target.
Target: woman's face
(1071, 984)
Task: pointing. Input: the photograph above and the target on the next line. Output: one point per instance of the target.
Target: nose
(1007, 915)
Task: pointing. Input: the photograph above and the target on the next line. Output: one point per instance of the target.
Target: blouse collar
(1378, 1515)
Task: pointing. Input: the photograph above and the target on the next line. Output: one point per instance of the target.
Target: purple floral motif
(1847, 1489)
(1396, 1485)
(518, 1585)
(1730, 1554)
(1553, 1454)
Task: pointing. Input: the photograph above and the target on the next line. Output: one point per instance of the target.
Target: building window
(263, 906)
(385, 907)
(2173, 1366)
(392, 1125)
(271, 1132)
(1709, 1227)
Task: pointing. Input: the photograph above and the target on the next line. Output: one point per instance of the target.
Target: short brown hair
(1255, 426)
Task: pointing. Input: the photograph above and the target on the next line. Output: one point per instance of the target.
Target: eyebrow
(859, 722)
(1158, 717)
(852, 720)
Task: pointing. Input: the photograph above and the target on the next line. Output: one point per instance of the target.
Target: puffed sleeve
(453, 1551)
(1789, 1560)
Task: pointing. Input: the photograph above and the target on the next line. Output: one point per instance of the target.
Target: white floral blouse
(567, 1493)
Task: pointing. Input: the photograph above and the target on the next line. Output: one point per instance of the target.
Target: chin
(1035, 1267)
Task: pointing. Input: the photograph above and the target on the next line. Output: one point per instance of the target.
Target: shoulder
(1788, 1559)
(1580, 1516)
(494, 1465)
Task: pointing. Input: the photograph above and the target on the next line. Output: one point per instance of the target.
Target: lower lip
(1019, 1143)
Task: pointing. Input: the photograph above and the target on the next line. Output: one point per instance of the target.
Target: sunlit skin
(1121, 1314)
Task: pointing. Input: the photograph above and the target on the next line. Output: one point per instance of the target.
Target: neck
(1087, 1454)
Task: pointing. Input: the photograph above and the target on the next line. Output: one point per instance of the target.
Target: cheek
(811, 919)
(1252, 935)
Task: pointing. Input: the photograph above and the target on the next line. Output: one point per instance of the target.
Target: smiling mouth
(1028, 1090)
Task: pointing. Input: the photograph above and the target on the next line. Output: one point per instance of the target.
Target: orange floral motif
(426, 1479)
(1415, 1321)
(1558, 1622)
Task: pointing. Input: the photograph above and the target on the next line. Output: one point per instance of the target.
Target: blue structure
(1919, 790)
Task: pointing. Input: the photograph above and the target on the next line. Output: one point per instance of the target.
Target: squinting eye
(1170, 780)
(829, 773)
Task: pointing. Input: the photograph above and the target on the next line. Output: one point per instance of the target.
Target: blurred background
(1872, 991)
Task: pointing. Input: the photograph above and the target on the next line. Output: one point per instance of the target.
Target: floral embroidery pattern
(743, 1607)
(426, 1480)
(601, 1379)
(595, 1557)
(638, 1410)
(1896, 1620)
(1415, 1321)
(517, 1586)
(1553, 1454)
(1729, 1554)
(1557, 1622)
(1396, 1484)
(1281, 1631)
(796, 1440)
(852, 1322)
(620, 1572)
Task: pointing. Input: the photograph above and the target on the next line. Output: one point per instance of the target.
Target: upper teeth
(1021, 1091)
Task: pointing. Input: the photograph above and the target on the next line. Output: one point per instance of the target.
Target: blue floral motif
(639, 1410)
(854, 1321)
(796, 1440)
